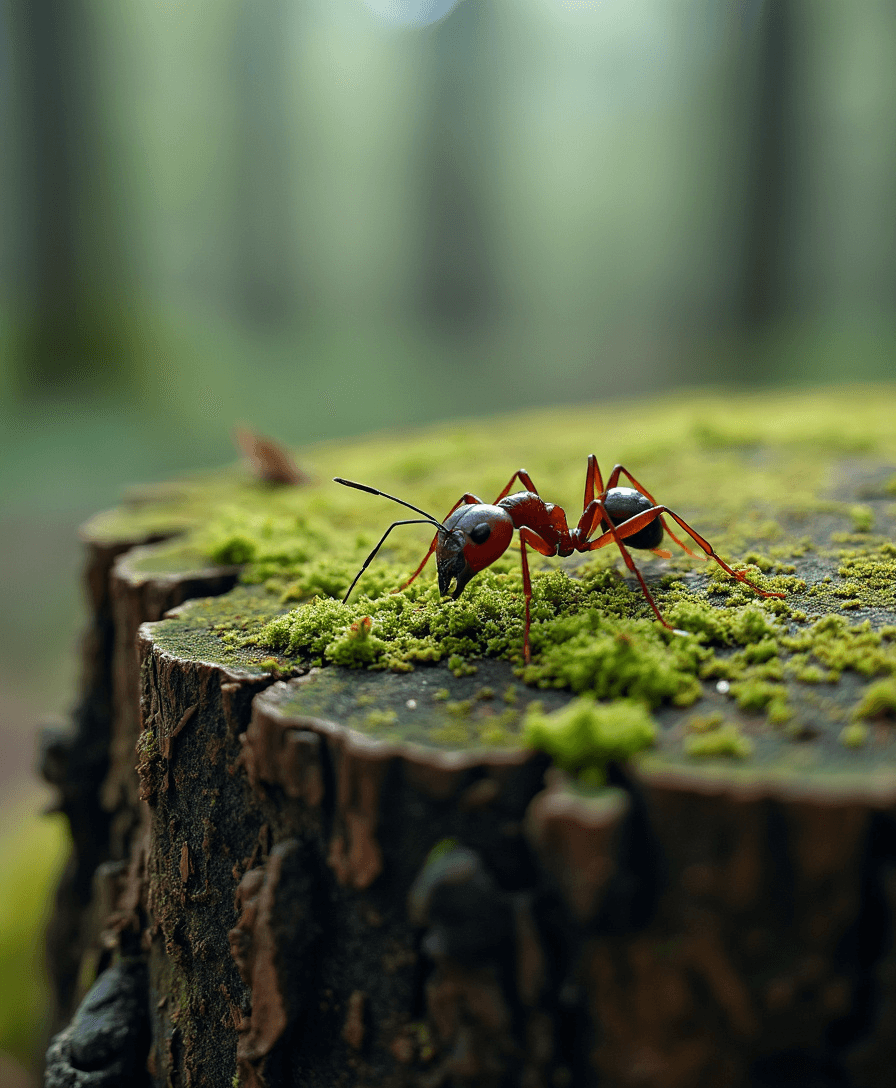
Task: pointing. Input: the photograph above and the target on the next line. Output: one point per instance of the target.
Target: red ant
(473, 537)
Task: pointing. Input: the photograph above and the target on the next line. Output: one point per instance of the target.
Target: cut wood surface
(453, 869)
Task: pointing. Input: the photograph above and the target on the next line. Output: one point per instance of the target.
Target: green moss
(456, 734)
(592, 631)
(755, 695)
(459, 708)
(377, 719)
(726, 741)
(356, 647)
(862, 518)
(237, 548)
(705, 723)
(854, 735)
(587, 735)
(879, 700)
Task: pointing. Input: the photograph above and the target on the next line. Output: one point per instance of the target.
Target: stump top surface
(800, 488)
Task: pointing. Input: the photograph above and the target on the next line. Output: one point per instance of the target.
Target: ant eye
(481, 532)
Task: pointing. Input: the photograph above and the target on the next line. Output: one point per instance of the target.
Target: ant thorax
(546, 518)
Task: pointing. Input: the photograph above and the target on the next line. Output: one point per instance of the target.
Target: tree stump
(445, 871)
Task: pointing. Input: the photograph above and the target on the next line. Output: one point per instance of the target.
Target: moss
(755, 695)
(592, 631)
(356, 647)
(237, 548)
(726, 741)
(456, 734)
(854, 735)
(587, 734)
(377, 719)
(705, 723)
(459, 708)
(862, 518)
(879, 700)
(460, 667)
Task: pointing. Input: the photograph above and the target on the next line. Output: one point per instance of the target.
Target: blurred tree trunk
(771, 151)
(264, 195)
(75, 260)
(457, 276)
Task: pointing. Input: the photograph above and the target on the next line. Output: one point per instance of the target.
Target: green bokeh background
(320, 218)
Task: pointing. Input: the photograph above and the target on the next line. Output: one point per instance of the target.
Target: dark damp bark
(91, 761)
(721, 933)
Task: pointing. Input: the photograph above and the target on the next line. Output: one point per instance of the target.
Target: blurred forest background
(323, 217)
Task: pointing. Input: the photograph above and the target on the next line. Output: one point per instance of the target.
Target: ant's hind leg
(640, 521)
(621, 470)
(612, 534)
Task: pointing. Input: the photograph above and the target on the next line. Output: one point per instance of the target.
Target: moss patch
(795, 487)
(724, 741)
(585, 735)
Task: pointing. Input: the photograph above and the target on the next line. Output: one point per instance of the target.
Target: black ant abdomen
(622, 503)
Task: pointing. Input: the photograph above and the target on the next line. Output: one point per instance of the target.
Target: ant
(474, 534)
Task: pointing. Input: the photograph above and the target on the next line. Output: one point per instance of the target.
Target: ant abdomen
(622, 503)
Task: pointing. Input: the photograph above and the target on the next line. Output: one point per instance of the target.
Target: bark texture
(92, 762)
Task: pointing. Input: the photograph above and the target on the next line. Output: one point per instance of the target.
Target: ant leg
(589, 521)
(530, 537)
(614, 480)
(524, 478)
(639, 521)
(594, 484)
(614, 534)
(369, 559)
(465, 499)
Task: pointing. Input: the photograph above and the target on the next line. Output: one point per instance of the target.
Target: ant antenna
(374, 491)
(415, 521)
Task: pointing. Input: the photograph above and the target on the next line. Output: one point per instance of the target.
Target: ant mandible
(474, 534)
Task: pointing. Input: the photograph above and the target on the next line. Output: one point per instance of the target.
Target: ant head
(473, 538)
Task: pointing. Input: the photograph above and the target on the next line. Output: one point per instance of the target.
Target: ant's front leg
(524, 478)
(467, 499)
(530, 537)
